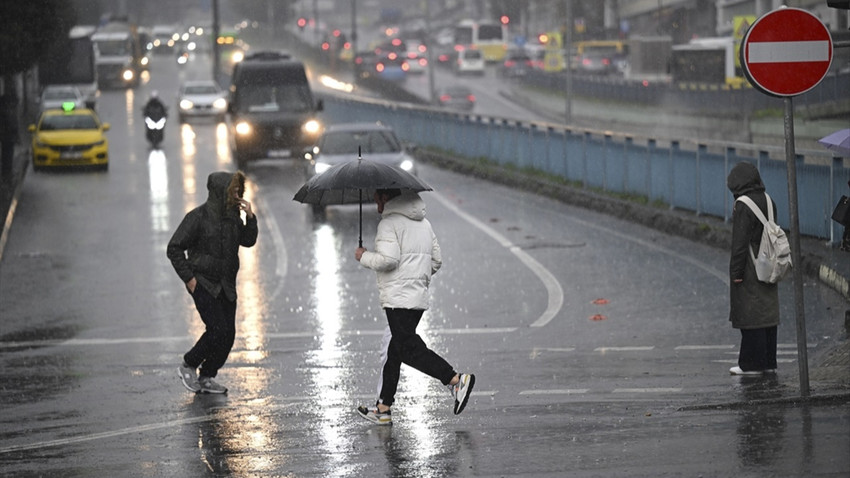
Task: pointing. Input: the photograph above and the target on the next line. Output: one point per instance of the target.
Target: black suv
(272, 111)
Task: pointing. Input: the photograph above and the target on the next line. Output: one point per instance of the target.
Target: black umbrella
(346, 183)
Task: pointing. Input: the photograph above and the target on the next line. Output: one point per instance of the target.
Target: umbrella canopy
(349, 183)
(838, 142)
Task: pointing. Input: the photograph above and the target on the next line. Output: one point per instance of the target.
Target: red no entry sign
(786, 52)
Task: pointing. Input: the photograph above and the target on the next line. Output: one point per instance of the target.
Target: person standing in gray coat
(754, 305)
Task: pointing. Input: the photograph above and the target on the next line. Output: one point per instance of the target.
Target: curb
(10, 214)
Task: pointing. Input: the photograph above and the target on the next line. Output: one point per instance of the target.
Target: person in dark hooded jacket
(204, 251)
(754, 305)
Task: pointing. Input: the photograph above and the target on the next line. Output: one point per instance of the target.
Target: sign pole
(796, 256)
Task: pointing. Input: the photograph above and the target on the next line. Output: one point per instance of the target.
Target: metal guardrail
(686, 174)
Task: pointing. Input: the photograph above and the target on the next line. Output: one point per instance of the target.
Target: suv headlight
(220, 104)
(243, 128)
(406, 165)
(186, 105)
(312, 127)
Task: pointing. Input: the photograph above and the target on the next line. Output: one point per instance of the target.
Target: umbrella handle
(360, 237)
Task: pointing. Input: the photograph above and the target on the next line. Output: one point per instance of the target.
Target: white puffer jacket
(406, 254)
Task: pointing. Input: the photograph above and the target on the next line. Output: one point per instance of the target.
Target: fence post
(674, 147)
(606, 141)
(701, 149)
(584, 140)
(626, 146)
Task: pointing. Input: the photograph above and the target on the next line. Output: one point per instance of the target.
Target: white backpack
(774, 260)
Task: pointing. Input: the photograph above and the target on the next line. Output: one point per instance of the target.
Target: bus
(490, 37)
(707, 60)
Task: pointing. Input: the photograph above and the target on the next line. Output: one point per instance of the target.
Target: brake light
(471, 98)
(379, 67)
(445, 98)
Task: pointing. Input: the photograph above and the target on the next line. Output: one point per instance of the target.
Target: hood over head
(222, 186)
(744, 179)
(408, 204)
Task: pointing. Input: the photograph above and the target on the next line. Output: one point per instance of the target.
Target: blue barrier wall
(684, 174)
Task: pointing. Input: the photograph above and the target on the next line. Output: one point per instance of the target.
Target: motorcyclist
(155, 108)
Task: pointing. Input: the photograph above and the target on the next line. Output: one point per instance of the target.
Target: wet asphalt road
(596, 343)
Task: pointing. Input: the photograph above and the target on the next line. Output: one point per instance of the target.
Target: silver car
(55, 96)
(376, 142)
(198, 98)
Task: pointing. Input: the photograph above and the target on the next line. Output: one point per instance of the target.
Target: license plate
(71, 155)
(280, 153)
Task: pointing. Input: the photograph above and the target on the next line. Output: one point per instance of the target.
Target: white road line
(553, 287)
(779, 360)
(563, 391)
(279, 245)
(704, 347)
(623, 349)
(646, 390)
(281, 335)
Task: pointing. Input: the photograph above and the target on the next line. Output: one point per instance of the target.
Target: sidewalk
(10, 187)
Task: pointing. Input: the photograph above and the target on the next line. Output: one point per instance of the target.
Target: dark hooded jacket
(753, 304)
(206, 243)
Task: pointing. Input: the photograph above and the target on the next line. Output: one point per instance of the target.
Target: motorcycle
(155, 130)
(155, 125)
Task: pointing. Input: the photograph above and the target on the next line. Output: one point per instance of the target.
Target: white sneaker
(461, 390)
(375, 416)
(738, 371)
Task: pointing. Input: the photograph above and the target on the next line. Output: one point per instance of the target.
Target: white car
(417, 58)
(54, 96)
(201, 98)
(469, 62)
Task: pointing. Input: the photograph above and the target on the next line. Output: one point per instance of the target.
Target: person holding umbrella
(406, 255)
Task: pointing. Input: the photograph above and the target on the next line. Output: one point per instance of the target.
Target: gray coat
(753, 304)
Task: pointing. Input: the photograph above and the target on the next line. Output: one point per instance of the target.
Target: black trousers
(219, 316)
(758, 349)
(407, 347)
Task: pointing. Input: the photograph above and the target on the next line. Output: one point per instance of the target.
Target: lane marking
(281, 262)
(553, 287)
(779, 360)
(272, 335)
(704, 347)
(128, 430)
(624, 349)
(646, 390)
(563, 391)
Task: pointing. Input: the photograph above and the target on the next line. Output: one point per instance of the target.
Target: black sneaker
(375, 416)
(461, 390)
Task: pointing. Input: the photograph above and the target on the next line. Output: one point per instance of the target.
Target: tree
(27, 30)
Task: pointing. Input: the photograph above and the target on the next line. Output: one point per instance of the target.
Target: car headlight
(99, 143)
(128, 75)
(186, 105)
(406, 165)
(312, 127)
(220, 104)
(322, 167)
(243, 128)
(40, 144)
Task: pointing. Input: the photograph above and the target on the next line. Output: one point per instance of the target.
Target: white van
(469, 62)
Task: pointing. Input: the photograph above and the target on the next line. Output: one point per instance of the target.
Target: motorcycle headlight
(243, 128)
(128, 75)
(220, 104)
(186, 105)
(312, 127)
(406, 165)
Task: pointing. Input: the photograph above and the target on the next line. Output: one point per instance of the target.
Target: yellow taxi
(69, 137)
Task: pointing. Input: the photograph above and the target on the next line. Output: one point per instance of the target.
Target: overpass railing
(685, 174)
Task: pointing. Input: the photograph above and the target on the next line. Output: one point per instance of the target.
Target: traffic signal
(840, 4)
(505, 20)
(302, 22)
